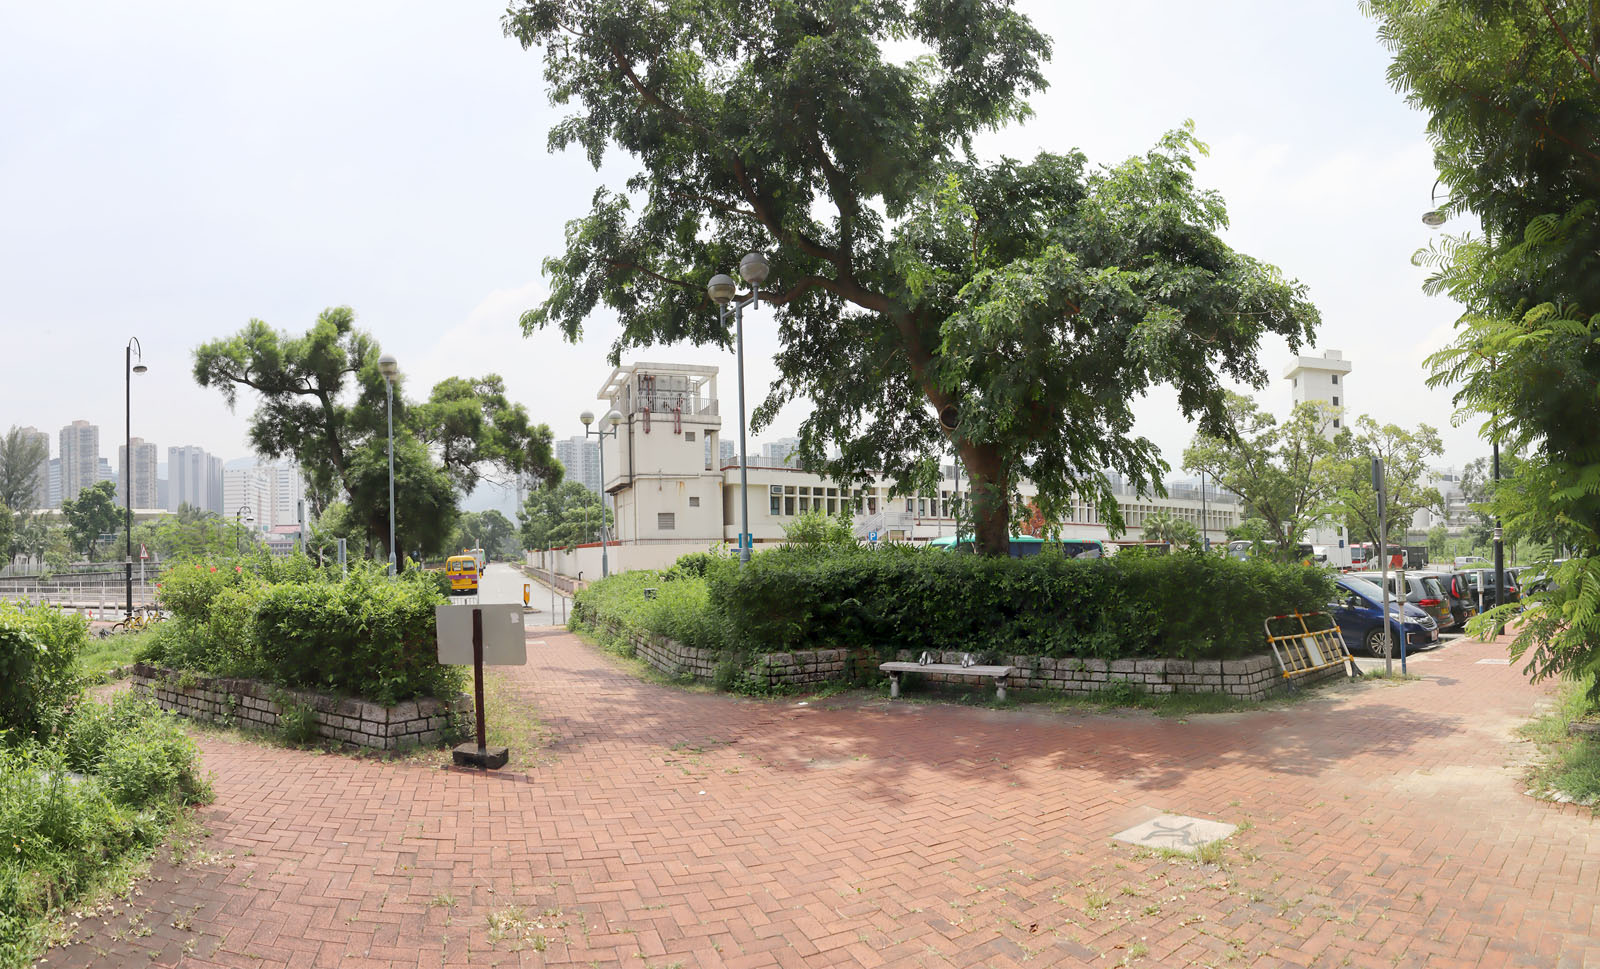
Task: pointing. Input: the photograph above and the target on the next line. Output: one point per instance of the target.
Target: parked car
(1468, 561)
(1458, 592)
(1360, 618)
(1423, 590)
(1480, 583)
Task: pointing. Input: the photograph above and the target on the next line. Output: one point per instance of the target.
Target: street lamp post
(1205, 519)
(129, 369)
(238, 530)
(390, 368)
(722, 289)
(613, 418)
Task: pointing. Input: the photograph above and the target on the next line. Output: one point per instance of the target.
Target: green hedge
(39, 674)
(1184, 606)
(364, 634)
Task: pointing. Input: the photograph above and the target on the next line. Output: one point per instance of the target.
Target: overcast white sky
(169, 170)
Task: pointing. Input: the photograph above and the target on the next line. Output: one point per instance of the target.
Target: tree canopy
(923, 298)
(1511, 89)
(489, 530)
(1407, 485)
(22, 458)
(322, 402)
(1283, 472)
(568, 514)
(93, 513)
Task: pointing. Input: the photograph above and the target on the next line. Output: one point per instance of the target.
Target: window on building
(775, 505)
(666, 521)
(694, 501)
(688, 436)
(1336, 402)
(788, 504)
(911, 505)
(1335, 378)
(1336, 423)
(922, 506)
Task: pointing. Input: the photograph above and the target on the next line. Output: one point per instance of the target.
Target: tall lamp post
(722, 289)
(238, 530)
(129, 369)
(613, 418)
(1205, 518)
(390, 368)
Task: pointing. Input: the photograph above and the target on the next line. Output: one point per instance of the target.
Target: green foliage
(93, 513)
(568, 514)
(1512, 94)
(39, 674)
(1406, 456)
(1284, 473)
(62, 832)
(297, 723)
(285, 621)
(193, 533)
(324, 402)
(1029, 301)
(818, 529)
(1168, 528)
(22, 463)
(1187, 606)
(488, 530)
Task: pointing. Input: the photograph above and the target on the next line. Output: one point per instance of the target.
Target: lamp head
(388, 366)
(721, 289)
(1433, 218)
(587, 417)
(140, 368)
(614, 418)
(753, 268)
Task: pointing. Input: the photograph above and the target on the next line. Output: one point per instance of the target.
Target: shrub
(39, 676)
(1185, 606)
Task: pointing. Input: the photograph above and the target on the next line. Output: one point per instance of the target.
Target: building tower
(41, 477)
(80, 458)
(1321, 379)
(142, 471)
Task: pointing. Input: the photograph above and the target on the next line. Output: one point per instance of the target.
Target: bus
(463, 573)
(1027, 546)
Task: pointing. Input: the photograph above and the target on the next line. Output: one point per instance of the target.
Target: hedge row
(364, 634)
(1184, 606)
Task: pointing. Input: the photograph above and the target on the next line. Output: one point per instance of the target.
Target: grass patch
(1396, 676)
(1569, 765)
(101, 655)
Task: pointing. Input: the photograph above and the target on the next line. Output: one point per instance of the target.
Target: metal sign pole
(477, 678)
(1383, 553)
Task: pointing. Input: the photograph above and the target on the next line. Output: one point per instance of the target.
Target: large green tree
(1283, 472)
(322, 402)
(1408, 487)
(1511, 89)
(93, 513)
(568, 514)
(923, 298)
(489, 530)
(22, 459)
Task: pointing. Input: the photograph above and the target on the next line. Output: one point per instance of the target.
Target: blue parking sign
(872, 536)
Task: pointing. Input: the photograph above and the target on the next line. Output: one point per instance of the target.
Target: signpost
(527, 591)
(481, 635)
(1383, 553)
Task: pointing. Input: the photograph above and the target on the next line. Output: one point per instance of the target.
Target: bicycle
(138, 622)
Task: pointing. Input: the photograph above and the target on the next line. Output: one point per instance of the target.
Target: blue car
(1359, 616)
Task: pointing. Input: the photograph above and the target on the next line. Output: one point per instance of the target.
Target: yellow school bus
(463, 573)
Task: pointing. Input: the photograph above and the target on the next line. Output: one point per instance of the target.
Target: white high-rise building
(142, 472)
(194, 478)
(1322, 379)
(272, 494)
(580, 457)
(80, 458)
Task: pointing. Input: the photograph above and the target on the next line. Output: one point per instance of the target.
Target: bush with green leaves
(1184, 606)
(106, 785)
(363, 634)
(39, 674)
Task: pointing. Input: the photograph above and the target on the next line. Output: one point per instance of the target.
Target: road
(503, 583)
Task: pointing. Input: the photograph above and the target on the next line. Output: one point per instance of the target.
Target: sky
(170, 170)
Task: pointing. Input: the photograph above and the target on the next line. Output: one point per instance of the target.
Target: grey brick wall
(248, 703)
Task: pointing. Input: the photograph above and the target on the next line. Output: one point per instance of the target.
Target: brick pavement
(1381, 825)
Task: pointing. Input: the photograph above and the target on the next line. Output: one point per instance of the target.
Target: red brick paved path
(1383, 826)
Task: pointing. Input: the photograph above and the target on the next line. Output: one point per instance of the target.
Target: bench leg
(1000, 688)
(894, 685)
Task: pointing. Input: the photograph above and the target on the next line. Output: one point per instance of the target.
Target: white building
(580, 457)
(1324, 380)
(669, 497)
(142, 472)
(270, 493)
(41, 478)
(194, 478)
(80, 458)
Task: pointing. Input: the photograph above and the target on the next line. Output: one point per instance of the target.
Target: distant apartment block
(80, 458)
(269, 493)
(41, 478)
(581, 458)
(194, 478)
(142, 472)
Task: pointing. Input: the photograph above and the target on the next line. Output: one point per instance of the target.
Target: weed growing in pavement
(1569, 768)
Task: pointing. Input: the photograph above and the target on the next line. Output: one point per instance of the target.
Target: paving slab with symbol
(1175, 832)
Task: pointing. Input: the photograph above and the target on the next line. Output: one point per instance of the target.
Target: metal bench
(997, 673)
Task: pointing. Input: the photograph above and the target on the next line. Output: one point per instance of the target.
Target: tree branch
(1594, 72)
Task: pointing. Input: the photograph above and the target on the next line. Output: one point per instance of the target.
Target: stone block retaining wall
(249, 703)
(1250, 678)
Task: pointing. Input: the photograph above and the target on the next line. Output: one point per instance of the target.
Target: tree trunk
(991, 506)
